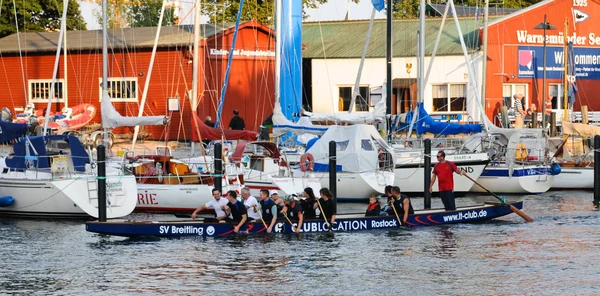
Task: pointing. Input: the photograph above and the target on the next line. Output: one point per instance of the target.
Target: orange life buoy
(311, 162)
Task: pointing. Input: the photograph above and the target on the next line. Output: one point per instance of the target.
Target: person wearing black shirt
(402, 204)
(208, 122)
(236, 209)
(327, 205)
(308, 204)
(237, 123)
(294, 212)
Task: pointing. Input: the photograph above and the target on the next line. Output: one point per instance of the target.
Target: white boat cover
(509, 132)
(377, 116)
(357, 148)
(282, 125)
(112, 119)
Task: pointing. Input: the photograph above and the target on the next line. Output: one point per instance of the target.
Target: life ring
(311, 162)
(521, 152)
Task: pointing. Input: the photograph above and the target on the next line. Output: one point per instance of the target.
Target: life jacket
(266, 209)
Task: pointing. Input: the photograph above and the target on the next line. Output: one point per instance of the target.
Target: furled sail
(112, 119)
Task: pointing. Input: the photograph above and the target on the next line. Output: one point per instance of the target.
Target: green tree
(147, 15)
(220, 11)
(410, 8)
(38, 16)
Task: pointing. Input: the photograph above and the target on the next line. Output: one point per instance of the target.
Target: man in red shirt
(444, 170)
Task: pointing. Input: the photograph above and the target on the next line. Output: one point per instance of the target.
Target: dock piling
(333, 170)
(101, 150)
(427, 176)
(218, 167)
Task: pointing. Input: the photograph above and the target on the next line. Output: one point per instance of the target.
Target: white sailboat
(53, 176)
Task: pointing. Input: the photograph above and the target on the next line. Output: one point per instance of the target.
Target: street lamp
(545, 26)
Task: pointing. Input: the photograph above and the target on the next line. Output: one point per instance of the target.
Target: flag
(571, 74)
(378, 4)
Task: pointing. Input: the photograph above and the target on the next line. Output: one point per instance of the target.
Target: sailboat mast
(566, 65)
(105, 58)
(278, 40)
(485, 51)
(421, 57)
(65, 86)
(388, 79)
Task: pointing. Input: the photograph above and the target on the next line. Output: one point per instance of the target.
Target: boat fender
(6, 201)
(555, 169)
(311, 162)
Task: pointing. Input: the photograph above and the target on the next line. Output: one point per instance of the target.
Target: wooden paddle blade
(520, 213)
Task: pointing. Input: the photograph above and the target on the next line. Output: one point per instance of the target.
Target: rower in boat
(236, 210)
(216, 204)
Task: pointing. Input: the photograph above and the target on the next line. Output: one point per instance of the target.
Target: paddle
(324, 217)
(513, 208)
(261, 218)
(291, 224)
(395, 212)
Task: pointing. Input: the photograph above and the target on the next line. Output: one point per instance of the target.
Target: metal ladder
(92, 186)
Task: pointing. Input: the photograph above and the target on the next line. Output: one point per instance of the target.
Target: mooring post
(333, 171)
(101, 150)
(534, 120)
(552, 124)
(596, 171)
(427, 176)
(218, 168)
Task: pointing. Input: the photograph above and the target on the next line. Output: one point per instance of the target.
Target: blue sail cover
(37, 152)
(290, 36)
(426, 124)
(10, 131)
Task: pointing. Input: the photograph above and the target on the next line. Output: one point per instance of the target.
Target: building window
(509, 90)
(39, 90)
(121, 89)
(449, 97)
(362, 102)
(556, 91)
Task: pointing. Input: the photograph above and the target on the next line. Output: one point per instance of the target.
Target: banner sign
(531, 65)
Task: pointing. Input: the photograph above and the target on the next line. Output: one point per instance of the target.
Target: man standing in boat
(444, 170)
(216, 204)
(237, 123)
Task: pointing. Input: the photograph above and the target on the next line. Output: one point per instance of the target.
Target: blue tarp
(38, 154)
(426, 124)
(10, 131)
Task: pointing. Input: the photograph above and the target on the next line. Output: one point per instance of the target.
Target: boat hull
(574, 178)
(524, 180)
(350, 222)
(69, 198)
(160, 198)
(356, 186)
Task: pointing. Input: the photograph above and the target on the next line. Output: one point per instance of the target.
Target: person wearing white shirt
(216, 204)
(251, 204)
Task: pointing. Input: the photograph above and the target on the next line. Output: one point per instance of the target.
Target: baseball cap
(271, 192)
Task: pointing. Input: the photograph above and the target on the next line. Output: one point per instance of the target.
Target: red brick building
(28, 72)
(515, 51)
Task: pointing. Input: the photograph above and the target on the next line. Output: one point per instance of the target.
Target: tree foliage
(127, 13)
(38, 16)
(220, 11)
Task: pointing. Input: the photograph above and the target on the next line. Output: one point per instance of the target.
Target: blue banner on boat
(426, 124)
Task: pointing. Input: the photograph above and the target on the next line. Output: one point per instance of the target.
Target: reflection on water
(554, 255)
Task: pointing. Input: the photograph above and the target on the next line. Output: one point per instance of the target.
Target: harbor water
(555, 255)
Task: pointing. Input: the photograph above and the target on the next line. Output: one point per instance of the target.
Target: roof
(345, 39)
(463, 11)
(117, 38)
